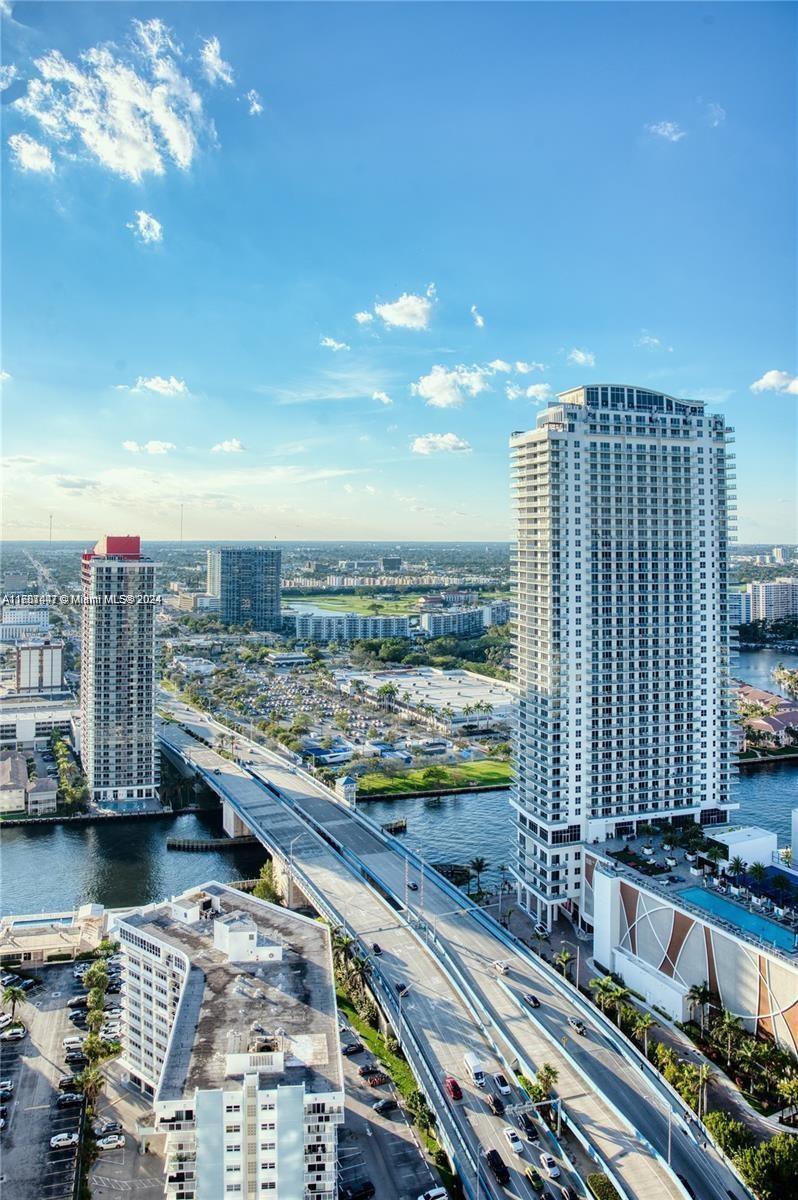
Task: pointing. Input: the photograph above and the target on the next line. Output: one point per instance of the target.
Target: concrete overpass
(444, 947)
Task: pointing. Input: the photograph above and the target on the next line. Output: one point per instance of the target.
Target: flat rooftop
(282, 1013)
(440, 689)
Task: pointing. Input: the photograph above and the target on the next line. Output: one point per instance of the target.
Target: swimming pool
(43, 921)
(735, 914)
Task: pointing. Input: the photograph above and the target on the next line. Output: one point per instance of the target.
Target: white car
(513, 1140)
(6, 1085)
(63, 1140)
(114, 1141)
(5, 1019)
(14, 1034)
(541, 930)
(549, 1165)
(502, 1086)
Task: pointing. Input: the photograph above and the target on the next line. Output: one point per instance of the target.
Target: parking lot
(30, 1169)
(381, 1149)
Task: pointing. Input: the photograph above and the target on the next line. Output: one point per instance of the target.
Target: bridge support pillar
(286, 885)
(232, 823)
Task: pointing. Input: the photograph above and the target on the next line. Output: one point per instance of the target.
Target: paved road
(435, 1013)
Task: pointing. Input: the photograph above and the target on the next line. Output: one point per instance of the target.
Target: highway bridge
(443, 947)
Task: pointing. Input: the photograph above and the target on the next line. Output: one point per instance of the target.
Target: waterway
(126, 862)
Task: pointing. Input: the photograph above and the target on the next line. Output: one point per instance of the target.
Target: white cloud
(157, 384)
(230, 446)
(513, 391)
(132, 109)
(5, 8)
(777, 381)
(716, 114)
(409, 311)
(255, 105)
(383, 397)
(539, 392)
(581, 358)
(153, 447)
(439, 443)
(331, 344)
(525, 368)
(4, 377)
(8, 74)
(146, 227)
(668, 130)
(30, 155)
(479, 320)
(364, 318)
(213, 65)
(444, 388)
(499, 364)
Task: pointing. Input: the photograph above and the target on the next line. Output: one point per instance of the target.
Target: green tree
(96, 976)
(698, 997)
(726, 1032)
(562, 960)
(788, 1090)
(478, 865)
(92, 1082)
(13, 995)
(642, 1026)
(603, 989)
(736, 867)
(546, 1077)
(265, 889)
(95, 1020)
(731, 1135)
(771, 1168)
(757, 872)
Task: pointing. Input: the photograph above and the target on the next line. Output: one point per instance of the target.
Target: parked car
(62, 1141)
(385, 1106)
(377, 1079)
(363, 1191)
(6, 1085)
(501, 967)
(68, 1083)
(452, 1088)
(541, 930)
(26, 984)
(69, 1099)
(549, 1165)
(402, 988)
(114, 1142)
(352, 1048)
(502, 1086)
(105, 1128)
(77, 1060)
(72, 1043)
(438, 1193)
(412, 886)
(577, 1025)
(78, 1002)
(498, 1166)
(14, 1034)
(5, 1094)
(532, 1000)
(513, 1140)
(495, 1104)
(7, 978)
(376, 948)
(366, 1070)
(5, 1020)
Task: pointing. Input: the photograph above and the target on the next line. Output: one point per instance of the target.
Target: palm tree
(757, 872)
(643, 1022)
(727, 1029)
(736, 867)
(478, 865)
(704, 1077)
(95, 1020)
(563, 959)
(603, 988)
(698, 997)
(748, 1058)
(13, 995)
(92, 1082)
(788, 1090)
(546, 1077)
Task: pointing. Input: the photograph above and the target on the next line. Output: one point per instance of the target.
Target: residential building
(41, 796)
(773, 600)
(496, 613)
(13, 781)
(739, 607)
(391, 563)
(454, 622)
(684, 923)
(21, 622)
(230, 1027)
(246, 582)
(39, 666)
(622, 628)
(347, 627)
(117, 674)
(200, 602)
(358, 565)
(29, 722)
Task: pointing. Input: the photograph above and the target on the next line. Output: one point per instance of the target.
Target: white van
(473, 1064)
(500, 967)
(73, 1043)
(438, 1193)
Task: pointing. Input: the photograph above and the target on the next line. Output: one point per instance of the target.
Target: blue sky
(199, 198)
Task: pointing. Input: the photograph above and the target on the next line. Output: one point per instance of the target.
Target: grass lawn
(486, 772)
(345, 602)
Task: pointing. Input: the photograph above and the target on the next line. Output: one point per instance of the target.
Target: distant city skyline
(311, 292)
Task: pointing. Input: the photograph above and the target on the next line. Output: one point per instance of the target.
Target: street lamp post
(578, 948)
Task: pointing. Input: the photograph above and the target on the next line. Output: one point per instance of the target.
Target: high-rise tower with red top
(117, 674)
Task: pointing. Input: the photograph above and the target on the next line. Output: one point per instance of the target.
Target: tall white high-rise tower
(117, 673)
(623, 521)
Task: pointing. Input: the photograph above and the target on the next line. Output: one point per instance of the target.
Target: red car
(377, 1078)
(453, 1089)
(366, 1070)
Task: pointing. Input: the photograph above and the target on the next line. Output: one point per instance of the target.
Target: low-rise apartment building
(348, 627)
(230, 1025)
